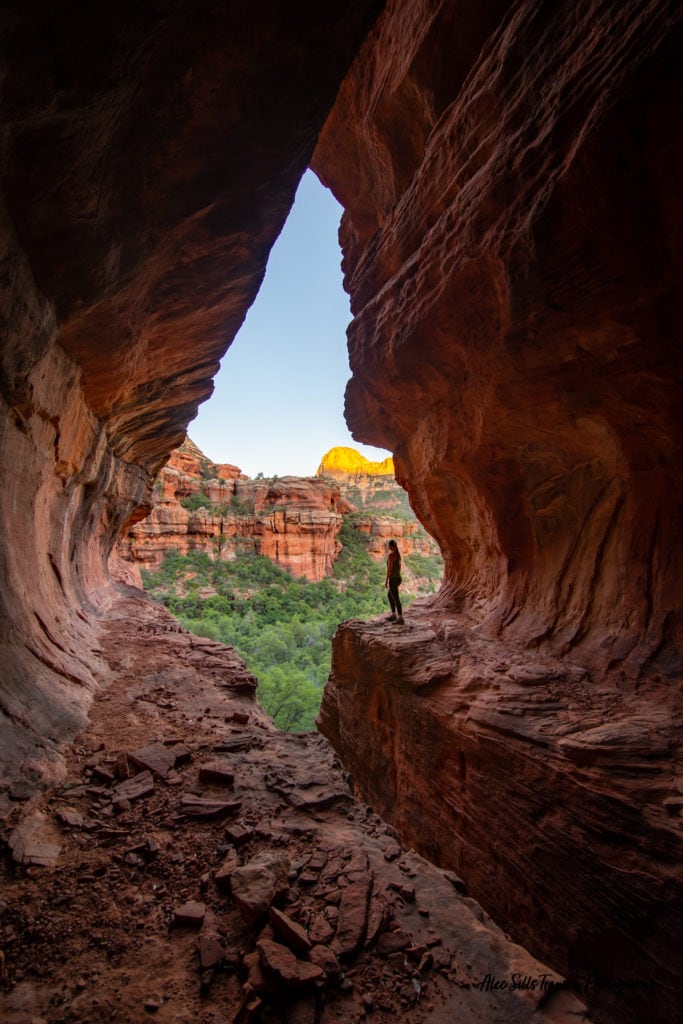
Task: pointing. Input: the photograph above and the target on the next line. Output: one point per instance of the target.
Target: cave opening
(281, 518)
(277, 404)
(511, 186)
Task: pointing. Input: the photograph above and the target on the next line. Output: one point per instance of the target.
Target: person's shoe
(392, 618)
(399, 621)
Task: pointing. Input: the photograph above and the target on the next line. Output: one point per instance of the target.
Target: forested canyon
(511, 245)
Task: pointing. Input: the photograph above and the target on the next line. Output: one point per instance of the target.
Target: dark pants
(394, 599)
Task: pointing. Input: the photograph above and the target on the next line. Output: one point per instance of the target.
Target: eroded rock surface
(557, 801)
(512, 252)
(149, 160)
(286, 905)
(294, 521)
(512, 248)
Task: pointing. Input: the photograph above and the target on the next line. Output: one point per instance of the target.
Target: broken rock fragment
(191, 914)
(258, 883)
(211, 952)
(36, 840)
(135, 788)
(198, 807)
(392, 942)
(238, 833)
(239, 717)
(353, 916)
(227, 869)
(320, 930)
(325, 958)
(281, 962)
(289, 931)
(156, 758)
(218, 772)
(70, 818)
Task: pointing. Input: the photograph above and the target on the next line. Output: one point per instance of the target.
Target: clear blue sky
(278, 401)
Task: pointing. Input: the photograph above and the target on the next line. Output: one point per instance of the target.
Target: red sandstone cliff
(512, 249)
(514, 278)
(293, 521)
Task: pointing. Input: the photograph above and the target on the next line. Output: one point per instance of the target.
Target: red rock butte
(510, 175)
(349, 462)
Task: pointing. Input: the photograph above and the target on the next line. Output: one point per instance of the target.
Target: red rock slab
(211, 952)
(280, 960)
(289, 931)
(392, 942)
(256, 884)
(238, 834)
(156, 758)
(217, 771)
(28, 848)
(191, 914)
(135, 788)
(198, 807)
(70, 818)
(353, 916)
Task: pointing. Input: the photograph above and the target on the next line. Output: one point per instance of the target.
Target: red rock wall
(149, 161)
(512, 250)
(292, 521)
(557, 801)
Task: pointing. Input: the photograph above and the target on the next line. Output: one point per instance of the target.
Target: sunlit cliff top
(348, 460)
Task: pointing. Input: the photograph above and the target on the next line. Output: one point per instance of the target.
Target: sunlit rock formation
(348, 462)
(512, 249)
(199, 505)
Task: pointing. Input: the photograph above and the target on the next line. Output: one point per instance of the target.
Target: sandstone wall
(512, 250)
(149, 160)
(292, 521)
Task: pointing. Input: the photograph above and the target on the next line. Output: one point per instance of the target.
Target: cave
(510, 176)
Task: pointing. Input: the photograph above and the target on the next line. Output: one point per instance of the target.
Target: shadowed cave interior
(512, 251)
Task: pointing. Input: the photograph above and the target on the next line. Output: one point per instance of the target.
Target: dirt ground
(138, 888)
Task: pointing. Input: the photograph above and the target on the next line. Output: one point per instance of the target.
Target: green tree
(280, 625)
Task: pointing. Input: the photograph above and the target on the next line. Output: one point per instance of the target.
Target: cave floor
(125, 919)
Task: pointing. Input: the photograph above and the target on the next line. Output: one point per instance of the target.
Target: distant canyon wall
(293, 521)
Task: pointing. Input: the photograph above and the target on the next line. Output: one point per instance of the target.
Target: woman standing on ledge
(393, 582)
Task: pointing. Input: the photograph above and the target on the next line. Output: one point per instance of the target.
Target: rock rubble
(281, 906)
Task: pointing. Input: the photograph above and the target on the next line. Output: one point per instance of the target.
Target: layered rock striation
(512, 249)
(294, 522)
(149, 161)
(199, 505)
(558, 801)
(512, 252)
